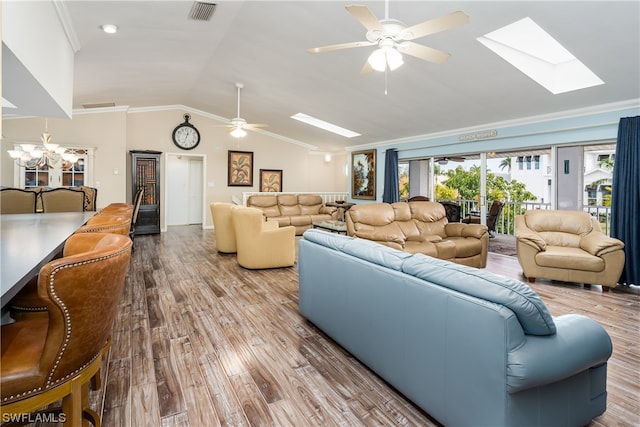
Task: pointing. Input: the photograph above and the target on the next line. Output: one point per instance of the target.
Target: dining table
(29, 241)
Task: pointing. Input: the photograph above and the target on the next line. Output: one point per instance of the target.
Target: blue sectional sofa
(469, 347)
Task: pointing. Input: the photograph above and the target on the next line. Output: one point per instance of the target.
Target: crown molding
(67, 25)
(560, 115)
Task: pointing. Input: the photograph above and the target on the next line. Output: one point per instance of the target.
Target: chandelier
(32, 155)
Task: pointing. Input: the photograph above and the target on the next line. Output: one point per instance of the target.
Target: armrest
(579, 344)
(598, 244)
(457, 229)
(328, 210)
(532, 240)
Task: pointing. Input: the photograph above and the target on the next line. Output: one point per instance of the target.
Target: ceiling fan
(238, 126)
(445, 160)
(394, 38)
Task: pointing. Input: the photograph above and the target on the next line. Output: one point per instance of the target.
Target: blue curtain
(625, 197)
(391, 186)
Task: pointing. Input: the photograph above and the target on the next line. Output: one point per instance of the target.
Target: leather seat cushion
(446, 249)
(416, 247)
(298, 220)
(466, 247)
(320, 217)
(268, 204)
(282, 221)
(22, 346)
(569, 258)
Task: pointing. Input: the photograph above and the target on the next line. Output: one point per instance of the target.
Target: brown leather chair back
(494, 213)
(107, 223)
(16, 200)
(81, 292)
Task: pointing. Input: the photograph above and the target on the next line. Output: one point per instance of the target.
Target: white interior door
(184, 188)
(194, 206)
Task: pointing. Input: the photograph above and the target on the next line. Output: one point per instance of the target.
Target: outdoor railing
(505, 223)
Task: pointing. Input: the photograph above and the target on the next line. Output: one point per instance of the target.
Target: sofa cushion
(569, 258)
(423, 247)
(466, 247)
(427, 211)
(564, 229)
(268, 204)
(402, 211)
(310, 204)
(364, 249)
(288, 204)
(300, 220)
(383, 233)
(531, 312)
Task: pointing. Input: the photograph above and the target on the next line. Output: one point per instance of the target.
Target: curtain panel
(391, 185)
(625, 197)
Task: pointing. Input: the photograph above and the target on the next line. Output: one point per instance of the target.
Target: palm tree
(505, 163)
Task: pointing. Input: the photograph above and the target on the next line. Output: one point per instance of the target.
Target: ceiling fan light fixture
(385, 56)
(238, 132)
(394, 58)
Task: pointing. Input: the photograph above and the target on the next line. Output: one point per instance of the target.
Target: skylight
(324, 125)
(533, 51)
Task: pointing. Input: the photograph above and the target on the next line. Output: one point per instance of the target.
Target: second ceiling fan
(238, 126)
(394, 38)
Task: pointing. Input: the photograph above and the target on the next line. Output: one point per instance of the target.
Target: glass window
(536, 162)
(520, 162)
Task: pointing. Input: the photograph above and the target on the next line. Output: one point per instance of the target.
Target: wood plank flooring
(200, 341)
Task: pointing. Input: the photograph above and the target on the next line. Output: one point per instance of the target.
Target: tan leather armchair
(568, 246)
(48, 359)
(223, 227)
(260, 243)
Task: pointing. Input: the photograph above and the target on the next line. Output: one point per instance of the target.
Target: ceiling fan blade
(364, 15)
(435, 25)
(366, 68)
(255, 125)
(457, 159)
(423, 52)
(339, 46)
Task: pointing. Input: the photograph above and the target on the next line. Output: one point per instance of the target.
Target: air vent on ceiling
(99, 105)
(202, 11)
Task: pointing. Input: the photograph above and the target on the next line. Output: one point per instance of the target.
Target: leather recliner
(568, 246)
(420, 227)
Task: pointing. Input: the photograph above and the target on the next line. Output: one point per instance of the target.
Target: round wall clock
(185, 135)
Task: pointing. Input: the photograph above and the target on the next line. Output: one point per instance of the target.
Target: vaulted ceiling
(161, 57)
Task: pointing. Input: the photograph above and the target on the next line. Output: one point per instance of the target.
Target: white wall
(115, 132)
(37, 59)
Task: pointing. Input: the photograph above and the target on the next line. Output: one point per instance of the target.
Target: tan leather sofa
(420, 227)
(298, 210)
(567, 246)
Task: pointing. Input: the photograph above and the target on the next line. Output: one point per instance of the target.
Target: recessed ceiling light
(324, 125)
(109, 28)
(533, 51)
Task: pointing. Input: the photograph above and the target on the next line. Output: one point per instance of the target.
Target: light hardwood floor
(200, 341)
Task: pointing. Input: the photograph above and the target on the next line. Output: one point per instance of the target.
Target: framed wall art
(271, 180)
(363, 174)
(240, 169)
